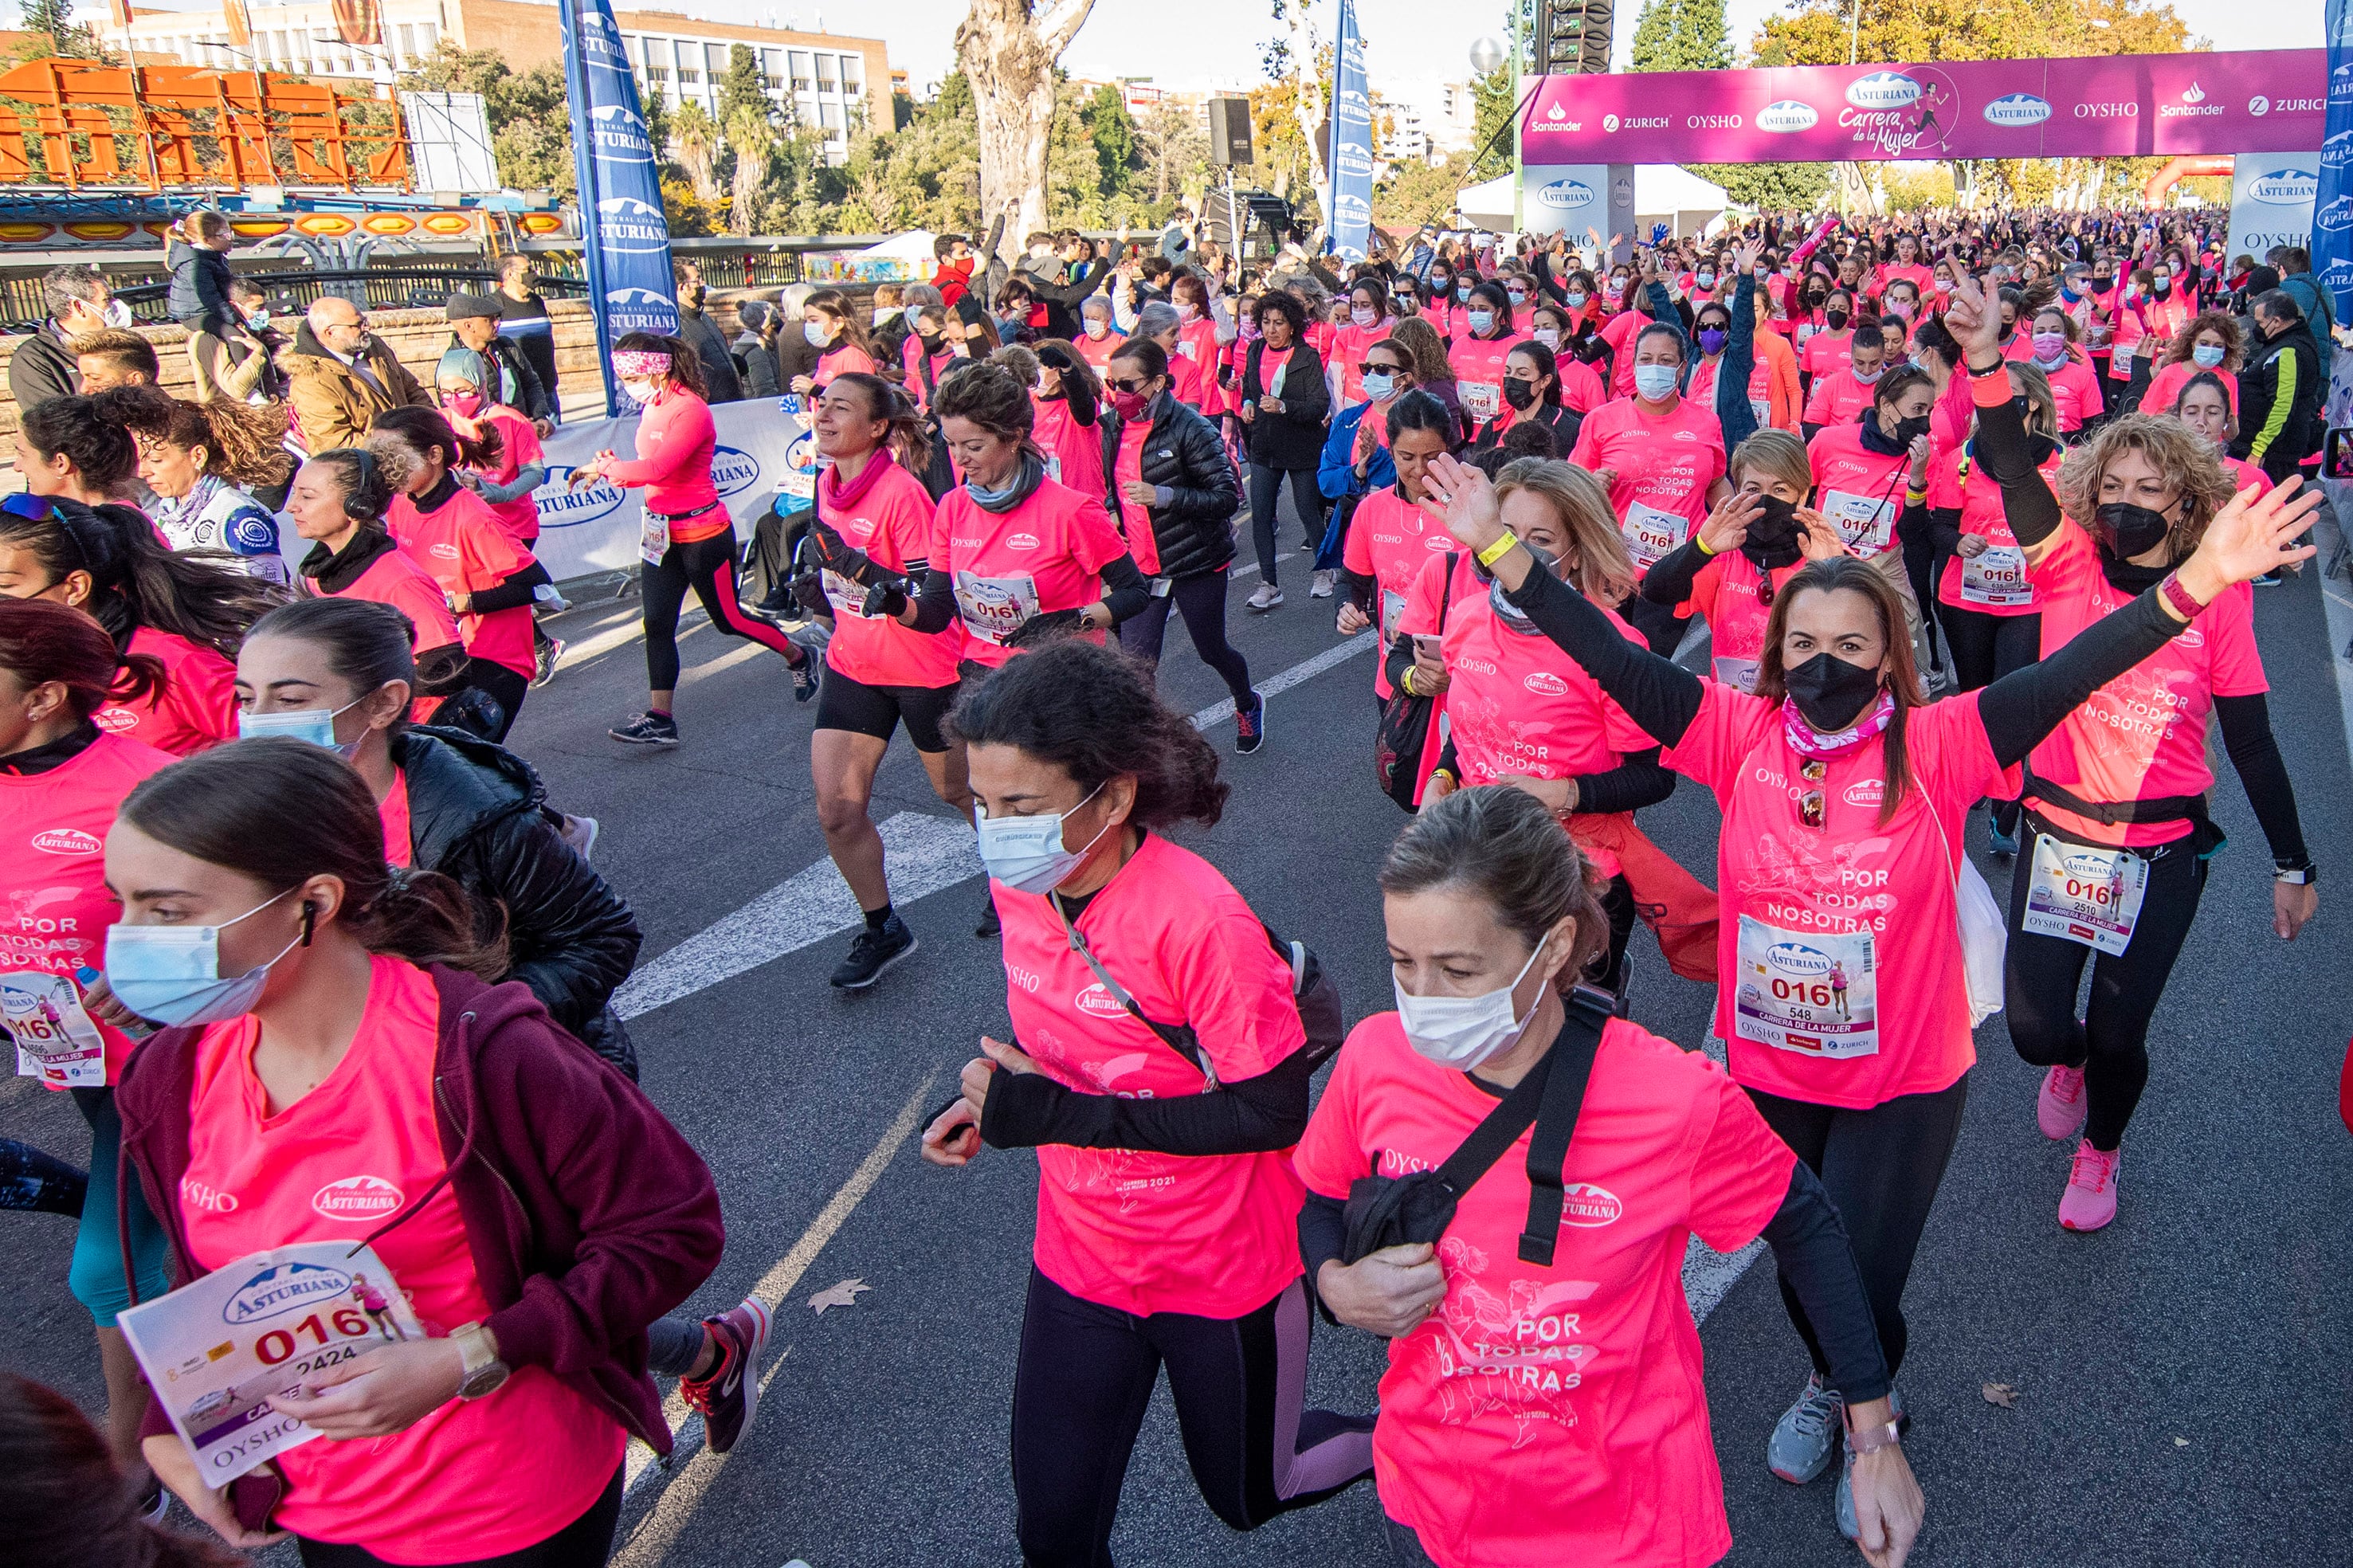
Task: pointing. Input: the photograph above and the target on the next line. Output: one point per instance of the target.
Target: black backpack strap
(1179, 1037)
(1498, 1131)
(1446, 590)
(1572, 1058)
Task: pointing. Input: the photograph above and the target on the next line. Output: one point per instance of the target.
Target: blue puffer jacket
(198, 299)
(1335, 472)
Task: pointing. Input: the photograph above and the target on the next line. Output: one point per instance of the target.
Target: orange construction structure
(151, 128)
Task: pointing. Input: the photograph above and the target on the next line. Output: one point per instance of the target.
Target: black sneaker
(1250, 726)
(872, 952)
(544, 659)
(648, 730)
(730, 1396)
(989, 925)
(806, 676)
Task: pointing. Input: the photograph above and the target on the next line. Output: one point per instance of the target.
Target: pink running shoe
(2059, 1108)
(2090, 1200)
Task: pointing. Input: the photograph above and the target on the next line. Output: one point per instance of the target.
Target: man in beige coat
(343, 377)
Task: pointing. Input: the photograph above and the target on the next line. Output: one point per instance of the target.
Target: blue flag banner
(2332, 207)
(1351, 214)
(626, 237)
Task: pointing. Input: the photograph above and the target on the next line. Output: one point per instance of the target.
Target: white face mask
(817, 335)
(1462, 1032)
(117, 313)
(1654, 381)
(1098, 329)
(640, 391)
(884, 318)
(1026, 853)
(1549, 336)
(1364, 315)
(316, 725)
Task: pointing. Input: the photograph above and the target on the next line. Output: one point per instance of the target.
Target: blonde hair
(2044, 420)
(2182, 460)
(1581, 503)
(202, 225)
(1775, 454)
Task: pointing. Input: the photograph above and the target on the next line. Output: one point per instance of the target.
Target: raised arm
(2003, 452)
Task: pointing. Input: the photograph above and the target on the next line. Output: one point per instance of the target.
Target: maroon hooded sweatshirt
(588, 1214)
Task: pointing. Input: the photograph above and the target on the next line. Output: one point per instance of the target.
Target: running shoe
(2002, 843)
(1250, 726)
(155, 1504)
(872, 952)
(729, 1397)
(580, 832)
(2270, 579)
(1807, 1435)
(2059, 1104)
(1266, 597)
(2090, 1200)
(544, 660)
(1321, 588)
(806, 674)
(1843, 1508)
(648, 730)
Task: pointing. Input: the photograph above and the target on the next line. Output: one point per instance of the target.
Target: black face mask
(1774, 530)
(1814, 302)
(1910, 430)
(1831, 693)
(2103, 282)
(2134, 530)
(931, 341)
(1520, 395)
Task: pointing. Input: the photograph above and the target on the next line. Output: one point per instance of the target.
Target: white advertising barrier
(2271, 201)
(762, 448)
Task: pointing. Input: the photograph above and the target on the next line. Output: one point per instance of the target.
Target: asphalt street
(2180, 1391)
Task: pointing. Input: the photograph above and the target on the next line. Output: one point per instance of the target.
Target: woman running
(1550, 1408)
(690, 538)
(79, 448)
(451, 533)
(1871, 473)
(1490, 330)
(204, 462)
(2204, 404)
(1531, 395)
(62, 779)
(507, 469)
(2119, 789)
(1390, 536)
(833, 329)
(1282, 400)
(1161, 1077)
(338, 500)
(187, 612)
(1836, 775)
(877, 537)
(1174, 495)
(329, 1047)
(2209, 344)
(2075, 386)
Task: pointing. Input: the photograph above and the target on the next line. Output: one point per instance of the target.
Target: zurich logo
(1566, 196)
(2259, 106)
(733, 471)
(2017, 109)
(1883, 89)
(2285, 188)
(284, 1287)
(1788, 115)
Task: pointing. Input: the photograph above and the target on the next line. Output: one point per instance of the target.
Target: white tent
(915, 245)
(1664, 192)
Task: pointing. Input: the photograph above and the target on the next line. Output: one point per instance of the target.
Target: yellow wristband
(1406, 681)
(1497, 551)
(1704, 549)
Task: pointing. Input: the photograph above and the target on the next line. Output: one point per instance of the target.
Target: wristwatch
(1871, 1439)
(483, 1372)
(2302, 875)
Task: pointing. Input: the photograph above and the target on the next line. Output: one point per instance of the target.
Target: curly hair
(242, 442)
(2189, 466)
(1093, 712)
(203, 596)
(2220, 322)
(1425, 349)
(1276, 302)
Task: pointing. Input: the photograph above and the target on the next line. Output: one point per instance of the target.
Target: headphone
(363, 480)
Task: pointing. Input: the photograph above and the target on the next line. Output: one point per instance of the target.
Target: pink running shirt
(1664, 468)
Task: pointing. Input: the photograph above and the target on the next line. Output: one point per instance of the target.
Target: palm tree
(694, 136)
(754, 137)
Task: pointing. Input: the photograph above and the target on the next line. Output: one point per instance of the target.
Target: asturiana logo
(1543, 683)
(2285, 188)
(2336, 217)
(561, 508)
(1095, 999)
(1788, 115)
(66, 841)
(1583, 1204)
(1566, 196)
(1883, 89)
(619, 134)
(630, 227)
(2017, 109)
(356, 1197)
(1796, 958)
(733, 471)
(284, 1287)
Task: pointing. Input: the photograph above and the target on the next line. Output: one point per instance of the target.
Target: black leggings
(1201, 600)
(708, 566)
(2110, 1042)
(1264, 478)
(586, 1543)
(1985, 648)
(1085, 1380)
(503, 685)
(1618, 903)
(1882, 1168)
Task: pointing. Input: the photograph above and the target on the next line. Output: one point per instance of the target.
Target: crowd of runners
(1862, 526)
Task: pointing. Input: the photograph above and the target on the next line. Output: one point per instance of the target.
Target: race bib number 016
(994, 608)
(1816, 993)
(1996, 576)
(1868, 526)
(55, 1040)
(1651, 534)
(215, 1351)
(2086, 895)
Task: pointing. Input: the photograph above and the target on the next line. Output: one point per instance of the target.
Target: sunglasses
(1379, 367)
(1814, 805)
(1131, 386)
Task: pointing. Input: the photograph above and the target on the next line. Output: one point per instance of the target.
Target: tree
(1007, 55)
(529, 120)
(695, 142)
(1416, 193)
(1815, 32)
(1300, 60)
(752, 135)
(1492, 106)
(55, 32)
(1112, 130)
(1176, 149)
(743, 88)
(1681, 36)
(654, 109)
(1774, 186)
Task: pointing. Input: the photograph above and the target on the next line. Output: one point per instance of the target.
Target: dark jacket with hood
(477, 814)
(43, 367)
(2281, 396)
(198, 297)
(698, 332)
(587, 1215)
(1186, 460)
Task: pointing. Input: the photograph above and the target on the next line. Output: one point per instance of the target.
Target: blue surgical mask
(1377, 386)
(1026, 853)
(817, 335)
(316, 725)
(1481, 320)
(2208, 355)
(1576, 299)
(259, 319)
(171, 975)
(1655, 380)
(1874, 375)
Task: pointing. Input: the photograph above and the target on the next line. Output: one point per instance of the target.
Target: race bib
(1738, 673)
(2082, 894)
(653, 543)
(1054, 468)
(1868, 526)
(56, 1042)
(1481, 399)
(846, 596)
(1392, 611)
(1816, 994)
(1996, 576)
(994, 608)
(216, 1349)
(1762, 407)
(1652, 534)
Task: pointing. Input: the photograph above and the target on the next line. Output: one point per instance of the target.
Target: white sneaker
(1266, 597)
(1321, 588)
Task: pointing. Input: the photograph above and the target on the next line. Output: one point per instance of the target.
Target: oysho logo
(66, 841)
(1566, 196)
(2285, 188)
(1100, 1002)
(356, 1198)
(1788, 115)
(2128, 109)
(2017, 109)
(284, 1287)
(1546, 683)
(1584, 1204)
(1883, 89)
(210, 1199)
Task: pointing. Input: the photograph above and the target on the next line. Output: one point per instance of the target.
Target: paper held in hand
(216, 1350)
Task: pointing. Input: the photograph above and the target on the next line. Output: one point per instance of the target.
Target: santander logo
(1591, 1208)
(66, 841)
(356, 1198)
(1545, 683)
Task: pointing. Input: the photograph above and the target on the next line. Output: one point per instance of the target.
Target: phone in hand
(2337, 455)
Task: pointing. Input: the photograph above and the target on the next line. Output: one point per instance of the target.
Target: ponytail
(200, 596)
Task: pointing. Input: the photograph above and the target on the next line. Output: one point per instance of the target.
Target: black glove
(889, 597)
(1046, 626)
(838, 556)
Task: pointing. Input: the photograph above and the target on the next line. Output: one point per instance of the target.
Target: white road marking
(1218, 713)
(743, 653)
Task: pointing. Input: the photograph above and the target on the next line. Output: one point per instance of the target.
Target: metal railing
(389, 288)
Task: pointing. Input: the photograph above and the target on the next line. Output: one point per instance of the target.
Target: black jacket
(1293, 438)
(43, 368)
(2281, 395)
(530, 397)
(477, 814)
(701, 333)
(1195, 532)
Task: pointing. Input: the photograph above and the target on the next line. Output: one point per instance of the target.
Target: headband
(640, 362)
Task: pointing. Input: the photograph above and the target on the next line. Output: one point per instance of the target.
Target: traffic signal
(1572, 36)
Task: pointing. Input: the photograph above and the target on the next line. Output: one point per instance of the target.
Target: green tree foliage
(55, 32)
(744, 90)
(1491, 136)
(1681, 36)
(1779, 186)
(1815, 32)
(1114, 132)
